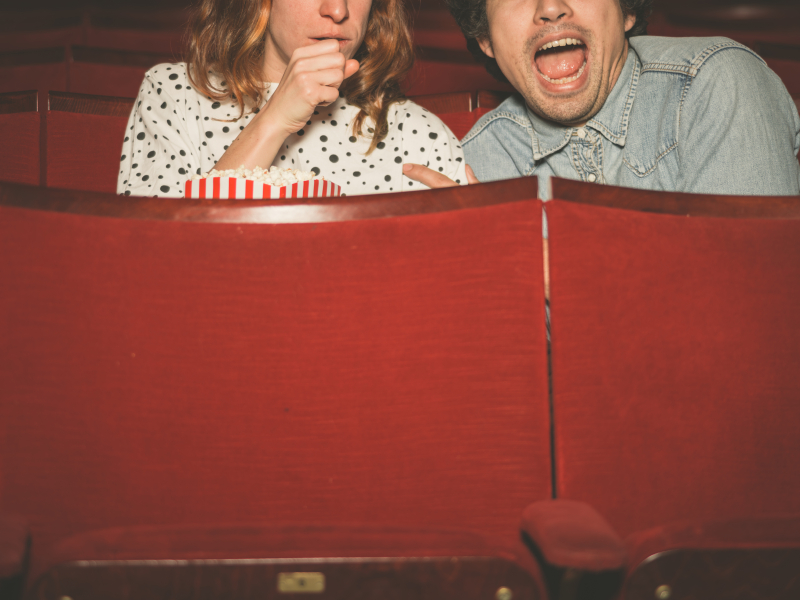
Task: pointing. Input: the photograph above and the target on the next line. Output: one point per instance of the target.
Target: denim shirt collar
(611, 121)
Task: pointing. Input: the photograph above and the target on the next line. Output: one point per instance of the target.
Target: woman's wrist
(257, 145)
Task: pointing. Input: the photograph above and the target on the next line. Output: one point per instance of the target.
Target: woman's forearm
(256, 146)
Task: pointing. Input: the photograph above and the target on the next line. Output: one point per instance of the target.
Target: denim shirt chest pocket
(655, 120)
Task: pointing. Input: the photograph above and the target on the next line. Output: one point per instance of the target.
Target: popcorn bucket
(236, 188)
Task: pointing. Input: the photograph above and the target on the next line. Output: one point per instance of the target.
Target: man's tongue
(561, 62)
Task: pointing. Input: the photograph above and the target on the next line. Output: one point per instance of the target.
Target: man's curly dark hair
(471, 17)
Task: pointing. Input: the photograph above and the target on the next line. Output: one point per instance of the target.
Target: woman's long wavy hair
(228, 37)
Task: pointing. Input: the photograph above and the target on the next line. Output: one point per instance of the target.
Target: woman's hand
(311, 79)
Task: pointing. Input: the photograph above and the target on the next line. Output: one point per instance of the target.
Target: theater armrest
(754, 533)
(572, 535)
(716, 559)
(13, 546)
(372, 560)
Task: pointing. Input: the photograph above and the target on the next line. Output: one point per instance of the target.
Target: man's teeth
(565, 79)
(563, 42)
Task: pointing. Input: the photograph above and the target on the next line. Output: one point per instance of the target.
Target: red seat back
(438, 71)
(38, 29)
(435, 27)
(105, 72)
(161, 371)
(19, 121)
(84, 138)
(137, 30)
(746, 22)
(675, 356)
(33, 70)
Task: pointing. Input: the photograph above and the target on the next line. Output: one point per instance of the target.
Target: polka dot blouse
(174, 132)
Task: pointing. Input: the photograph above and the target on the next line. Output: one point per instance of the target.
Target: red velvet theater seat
(745, 21)
(138, 30)
(105, 72)
(737, 558)
(19, 127)
(439, 70)
(84, 139)
(332, 362)
(435, 27)
(38, 29)
(675, 354)
(259, 561)
(33, 70)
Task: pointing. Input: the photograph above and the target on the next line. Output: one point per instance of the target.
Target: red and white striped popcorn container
(236, 188)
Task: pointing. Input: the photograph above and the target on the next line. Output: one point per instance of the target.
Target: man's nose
(334, 9)
(552, 11)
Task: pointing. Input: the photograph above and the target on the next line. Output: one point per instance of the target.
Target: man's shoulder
(684, 55)
(511, 112)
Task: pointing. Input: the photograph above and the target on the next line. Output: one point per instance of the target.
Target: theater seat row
(81, 69)
(108, 72)
(74, 140)
(104, 27)
(356, 377)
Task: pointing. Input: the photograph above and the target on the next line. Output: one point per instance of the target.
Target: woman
(303, 84)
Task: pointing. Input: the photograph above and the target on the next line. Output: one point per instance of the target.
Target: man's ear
(486, 46)
(630, 21)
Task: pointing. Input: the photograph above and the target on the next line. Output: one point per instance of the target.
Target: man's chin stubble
(567, 110)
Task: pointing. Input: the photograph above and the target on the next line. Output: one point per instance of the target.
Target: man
(598, 101)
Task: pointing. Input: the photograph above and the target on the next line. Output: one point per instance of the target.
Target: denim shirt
(701, 115)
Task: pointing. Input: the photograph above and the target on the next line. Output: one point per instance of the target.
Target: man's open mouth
(561, 61)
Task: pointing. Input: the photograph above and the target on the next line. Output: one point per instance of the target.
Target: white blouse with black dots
(174, 132)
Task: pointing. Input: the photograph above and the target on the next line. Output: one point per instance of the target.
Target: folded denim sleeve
(739, 129)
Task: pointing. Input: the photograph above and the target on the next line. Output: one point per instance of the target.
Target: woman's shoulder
(165, 82)
(169, 74)
(170, 83)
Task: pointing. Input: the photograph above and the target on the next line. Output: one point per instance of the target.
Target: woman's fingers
(317, 48)
(312, 79)
(351, 67)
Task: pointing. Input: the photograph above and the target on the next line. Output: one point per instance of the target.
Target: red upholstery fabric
(19, 162)
(452, 39)
(390, 371)
(434, 77)
(170, 42)
(787, 32)
(47, 76)
(13, 545)
(459, 123)
(573, 535)
(789, 72)
(105, 80)
(675, 349)
(48, 38)
(83, 151)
